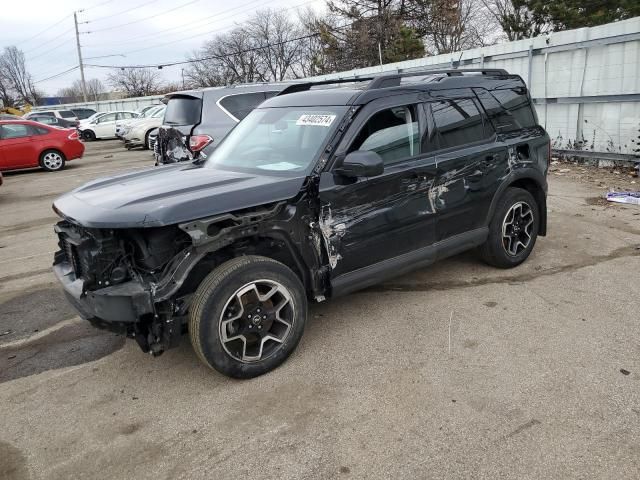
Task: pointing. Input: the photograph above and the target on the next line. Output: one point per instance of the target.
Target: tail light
(73, 135)
(198, 142)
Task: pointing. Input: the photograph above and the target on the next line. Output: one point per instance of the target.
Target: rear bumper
(114, 308)
(74, 151)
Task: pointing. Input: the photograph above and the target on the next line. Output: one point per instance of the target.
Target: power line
(64, 43)
(216, 57)
(123, 12)
(210, 31)
(96, 6)
(43, 31)
(145, 18)
(49, 40)
(189, 24)
(57, 75)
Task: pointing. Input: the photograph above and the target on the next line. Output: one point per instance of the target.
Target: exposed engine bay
(105, 257)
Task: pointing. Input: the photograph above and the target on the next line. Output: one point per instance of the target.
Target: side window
(109, 117)
(48, 114)
(456, 122)
(392, 133)
(508, 109)
(37, 130)
(242, 104)
(15, 130)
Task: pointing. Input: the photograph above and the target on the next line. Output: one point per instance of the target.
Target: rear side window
(508, 109)
(183, 111)
(14, 131)
(48, 114)
(67, 114)
(242, 104)
(392, 133)
(456, 122)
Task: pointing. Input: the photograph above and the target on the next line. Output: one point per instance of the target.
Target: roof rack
(393, 79)
(301, 87)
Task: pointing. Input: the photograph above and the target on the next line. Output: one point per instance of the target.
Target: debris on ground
(632, 198)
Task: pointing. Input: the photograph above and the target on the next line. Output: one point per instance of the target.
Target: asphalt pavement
(455, 371)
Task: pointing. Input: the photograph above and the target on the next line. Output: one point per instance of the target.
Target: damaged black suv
(326, 188)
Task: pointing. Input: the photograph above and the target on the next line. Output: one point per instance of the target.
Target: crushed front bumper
(116, 308)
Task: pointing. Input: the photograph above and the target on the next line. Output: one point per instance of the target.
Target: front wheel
(247, 316)
(513, 230)
(89, 135)
(52, 160)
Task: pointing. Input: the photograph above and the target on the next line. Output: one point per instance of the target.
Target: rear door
(369, 220)
(470, 162)
(17, 145)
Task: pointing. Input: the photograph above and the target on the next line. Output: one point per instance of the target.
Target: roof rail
(393, 79)
(301, 87)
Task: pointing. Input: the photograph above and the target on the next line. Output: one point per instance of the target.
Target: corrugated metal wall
(585, 82)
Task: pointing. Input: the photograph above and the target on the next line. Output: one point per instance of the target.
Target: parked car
(316, 193)
(196, 121)
(104, 125)
(61, 114)
(136, 133)
(145, 113)
(83, 113)
(28, 144)
(54, 121)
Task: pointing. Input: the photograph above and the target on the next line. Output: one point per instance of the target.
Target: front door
(106, 126)
(366, 221)
(18, 148)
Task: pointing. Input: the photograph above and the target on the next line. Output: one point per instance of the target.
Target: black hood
(169, 195)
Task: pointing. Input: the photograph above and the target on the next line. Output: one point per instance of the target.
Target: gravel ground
(457, 371)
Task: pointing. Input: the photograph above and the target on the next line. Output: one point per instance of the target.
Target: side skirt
(393, 267)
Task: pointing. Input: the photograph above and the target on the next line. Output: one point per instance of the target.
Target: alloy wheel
(52, 160)
(256, 321)
(517, 228)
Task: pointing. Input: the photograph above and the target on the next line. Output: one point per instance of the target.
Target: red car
(27, 144)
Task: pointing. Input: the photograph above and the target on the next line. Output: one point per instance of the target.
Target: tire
(89, 135)
(517, 216)
(146, 141)
(233, 305)
(52, 160)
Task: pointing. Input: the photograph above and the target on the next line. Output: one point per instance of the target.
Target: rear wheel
(513, 230)
(89, 135)
(52, 160)
(247, 316)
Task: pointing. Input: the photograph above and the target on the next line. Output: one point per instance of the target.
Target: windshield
(159, 112)
(277, 140)
(149, 112)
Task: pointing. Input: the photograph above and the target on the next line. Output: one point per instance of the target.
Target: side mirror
(361, 163)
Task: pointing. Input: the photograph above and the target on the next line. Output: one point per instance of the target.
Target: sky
(120, 33)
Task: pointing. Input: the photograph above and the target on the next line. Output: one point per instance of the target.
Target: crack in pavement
(629, 251)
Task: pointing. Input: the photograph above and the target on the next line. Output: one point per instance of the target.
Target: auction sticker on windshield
(316, 120)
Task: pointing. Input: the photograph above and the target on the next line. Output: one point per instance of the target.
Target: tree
(279, 43)
(135, 82)
(569, 14)
(95, 89)
(516, 19)
(15, 76)
(448, 26)
(7, 98)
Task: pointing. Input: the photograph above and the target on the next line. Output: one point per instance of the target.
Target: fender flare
(530, 175)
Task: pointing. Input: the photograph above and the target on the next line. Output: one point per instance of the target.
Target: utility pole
(84, 85)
